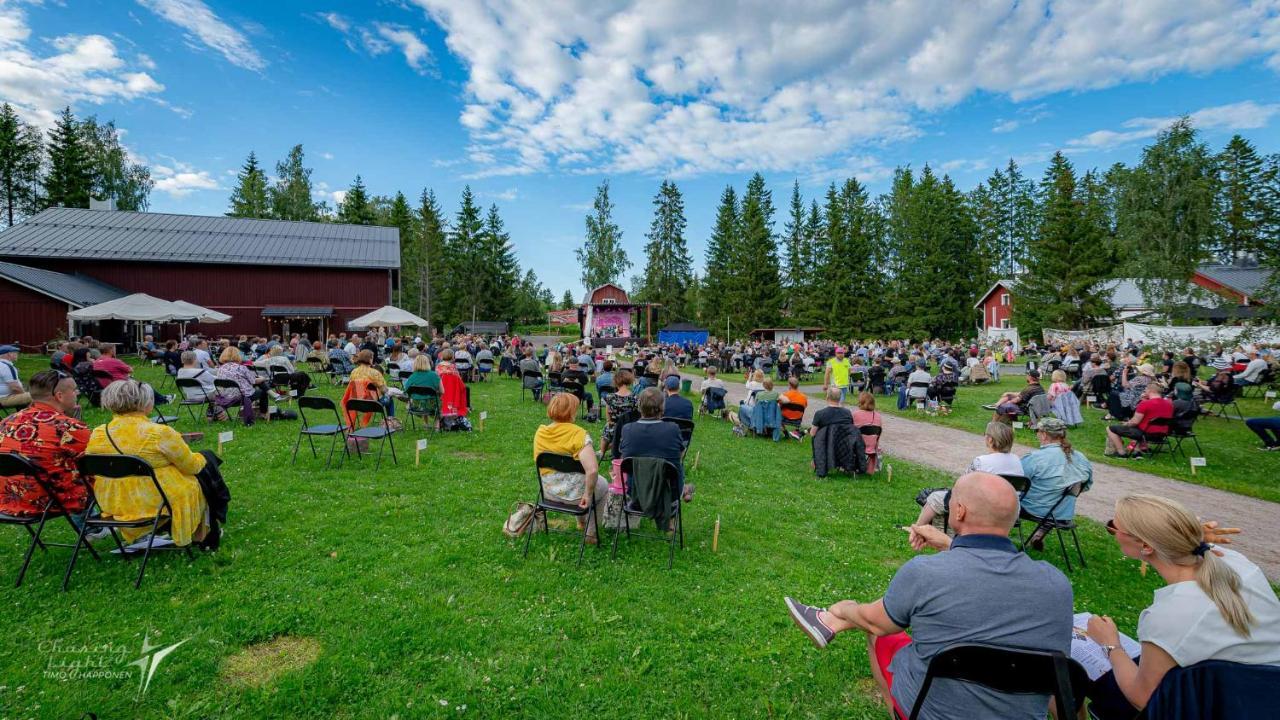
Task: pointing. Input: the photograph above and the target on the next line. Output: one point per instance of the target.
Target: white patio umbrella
(202, 314)
(139, 307)
(386, 316)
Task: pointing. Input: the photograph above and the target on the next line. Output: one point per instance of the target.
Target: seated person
(367, 382)
(947, 598)
(129, 432)
(713, 382)
(835, 413)
(753, 385)
(190, 371)
(530, 365)
(484, 360)
(12, 394)
(1253, 371)
(1058, 386)
(339, 359)
(120, 370)
(1133, 386)
(47, 434)
(1267, 429)
(563, 437)
(866, 414)
(423, 375)
(919, 375)
(793, 396)
(275, 358)
(1051, 470)
(1013, 404)
(651, 437)
(675, 405)
(575, 372)
(1217, 605)
(1154, 406)
(997, 461)
(605, 378)
(251, 387)
(1180, 385)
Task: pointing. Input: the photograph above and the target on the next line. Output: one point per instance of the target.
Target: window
(1004, 299)
(609, 301)
(1004, 323)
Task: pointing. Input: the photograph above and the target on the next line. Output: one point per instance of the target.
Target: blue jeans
(389, 403)
(1267, 428)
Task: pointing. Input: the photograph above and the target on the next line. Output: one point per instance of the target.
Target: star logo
(150, 660)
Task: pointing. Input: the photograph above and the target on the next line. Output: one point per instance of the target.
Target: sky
(533, 104)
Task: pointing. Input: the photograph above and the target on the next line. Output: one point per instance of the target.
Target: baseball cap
(6, 349)
(672, 382)
(1052, 425)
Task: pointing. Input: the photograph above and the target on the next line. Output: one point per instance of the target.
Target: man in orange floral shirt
(47, 436)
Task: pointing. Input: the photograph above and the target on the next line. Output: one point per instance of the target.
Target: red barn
(270, 276)
(997, 306)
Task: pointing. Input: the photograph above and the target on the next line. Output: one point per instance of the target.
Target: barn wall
(609, 292)
(29, 317)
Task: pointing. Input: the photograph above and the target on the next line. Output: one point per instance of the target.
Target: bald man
(982, 590)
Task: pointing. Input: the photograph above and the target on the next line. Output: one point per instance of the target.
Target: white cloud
(672, 87)
(326, 155)
(335, 21)
(411, 46)
(1004, 126)
(1236, 116)
(80, 69)
(180, 179)
(338, 196)
(381, 38)
(204, 26)
(508, 195)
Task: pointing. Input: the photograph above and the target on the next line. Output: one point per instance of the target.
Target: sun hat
(1146, 369)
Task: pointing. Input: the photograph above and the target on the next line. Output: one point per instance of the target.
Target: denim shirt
(1050, 474)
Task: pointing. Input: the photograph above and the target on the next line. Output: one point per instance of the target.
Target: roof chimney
(108, 204)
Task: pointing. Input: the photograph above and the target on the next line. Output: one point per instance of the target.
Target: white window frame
(1004, 299)
(1004, 323)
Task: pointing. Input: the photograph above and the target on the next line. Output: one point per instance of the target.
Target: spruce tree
(566, 301)
(460, 286)
(20, 158)
(668, 266)
(249, 197)
(428, 268)
(1240, 202)
(355, 208)
(291, 195)
(400, 216)
(815, 255)
(69, 180)
(720, 262)
(601, 256)
(796, 275)
(498, 270)
(757, 285)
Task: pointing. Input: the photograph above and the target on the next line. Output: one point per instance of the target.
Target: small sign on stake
(1270, 394)
(417, 453)
(919, 406)
(1018, 424)
(1198, 462)
(484, 415)
(225, 436)
(293, 393)
(1090, 399)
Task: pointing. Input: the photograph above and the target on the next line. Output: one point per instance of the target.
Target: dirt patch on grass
(259, 665)
(464, 455)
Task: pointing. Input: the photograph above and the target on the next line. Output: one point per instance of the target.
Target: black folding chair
(555, 383)
(483, 368)
(13, 465)
(193, 400)
(424, 402)
(1011, 671)
(574, 387)
(686, 430)
(1183, 427)
(1224, 401)
(1157, 436)
(631, 508)
(786, 407)
(524, 377)
(604, 391)
(1099, 389)
(280, 380)
(1266, 381)
(403, 375)
(375, 431)
(335, 431)
(869, 430)
(562, 464)
(1049, 523)
(316, 369)
(120, 466)
(917, 400)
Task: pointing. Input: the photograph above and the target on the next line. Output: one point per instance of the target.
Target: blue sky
(533, 104)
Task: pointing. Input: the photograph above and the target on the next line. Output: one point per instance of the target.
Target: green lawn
(1233, 461)
(413, 604)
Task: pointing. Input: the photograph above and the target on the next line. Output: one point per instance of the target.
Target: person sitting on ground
(675, 405)
(866, 414)
(251, 387)
(46, 433)
(793, 396)
(191, 371)
(528, 366)
(129, 432)
(1050, 470)
(997, 461)
(1154, 406)
(1217, 605)
(563, 437)
(948, 598)
(649, 436)
(1058, 385)
(1267, 429)
(12, 394)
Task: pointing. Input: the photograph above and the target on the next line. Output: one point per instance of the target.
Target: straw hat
(1146, 369)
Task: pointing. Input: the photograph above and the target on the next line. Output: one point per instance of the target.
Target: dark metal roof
(76, 290)
(1245, 280)
(296, 311)
(74, 233)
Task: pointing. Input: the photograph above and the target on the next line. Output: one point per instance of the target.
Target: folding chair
(1008, 670)
(1157, 436)
(401, 376)
(603, 392)
(1224, 401)
(170, 373)
(573, 386)
(630, 509)
(374, 431)
(317, 371)
(686, 430)
(1266, 381)
(712, 401)
(788, 423)
(13, 464)
(424, 402)
(483, 368)
(102, 376)
(561, 464)
(335, 431)
(279, 381)
(524, 377)
(464, 369)
(1183, 427)
(1050, 524)
(120, 466)
(914, 400)
(201, 399)
(876, 430)
(555, 383)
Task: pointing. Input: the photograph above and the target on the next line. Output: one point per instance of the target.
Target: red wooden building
(270, 276)
(997, 306)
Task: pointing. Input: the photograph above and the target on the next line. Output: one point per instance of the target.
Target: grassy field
(1231, 450)
(358, 594)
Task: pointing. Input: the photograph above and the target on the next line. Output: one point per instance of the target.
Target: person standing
(837, 373)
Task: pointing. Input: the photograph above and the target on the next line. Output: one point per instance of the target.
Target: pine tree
(1240, 202)
(716, 304)
(668, 266)
(400, 216)
(355, 208)
(20, 157)
(601, 256)
(498, 269)
(815, 255)
(1068, 260)
(69, 180)
(291, 195)
(1166, 215)
(832, 285)
(858, 255)
(1012, 221)
(460, 287)
(428, 261)
(797, 276)
(249, 197)
(757, 286)
(115, 176)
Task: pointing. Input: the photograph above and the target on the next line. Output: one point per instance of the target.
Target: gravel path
(951, 450)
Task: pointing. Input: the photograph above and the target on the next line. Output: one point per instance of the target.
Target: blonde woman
(1217, 605)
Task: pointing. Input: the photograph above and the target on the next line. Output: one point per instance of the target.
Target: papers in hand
(1091, 656)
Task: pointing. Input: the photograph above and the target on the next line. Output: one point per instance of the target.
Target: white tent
(386, 316)
(139, 307)
(202, 314)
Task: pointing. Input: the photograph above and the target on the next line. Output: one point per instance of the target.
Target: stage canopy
(139, 307)
(386, 316)
(681, 333)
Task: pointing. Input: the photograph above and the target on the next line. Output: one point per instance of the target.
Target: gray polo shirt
(982, 590)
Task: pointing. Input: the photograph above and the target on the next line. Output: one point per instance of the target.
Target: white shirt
(708, 383)
(8, 374)
(918, 376)
(200, 375)
(997, 463)
(1252, 371)
(1185, 623)
(351, 349)
(202, 358)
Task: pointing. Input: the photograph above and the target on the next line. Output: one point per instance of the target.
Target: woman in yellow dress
(133, 498)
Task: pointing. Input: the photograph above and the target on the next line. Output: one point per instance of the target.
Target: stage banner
(1112, 334)
(563, 317)
(1200, 337)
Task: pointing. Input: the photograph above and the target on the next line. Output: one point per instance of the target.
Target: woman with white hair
(129, 432)
(1216, 605)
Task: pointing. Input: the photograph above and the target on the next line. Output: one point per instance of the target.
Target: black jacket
(839, 447)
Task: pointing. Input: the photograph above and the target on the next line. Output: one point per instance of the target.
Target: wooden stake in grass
(417, 453)
(715, 536)
(484, 415)
(225, 437)
(889, 474)
(696, 457)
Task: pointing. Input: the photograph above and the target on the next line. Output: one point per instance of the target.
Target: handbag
(521, 518)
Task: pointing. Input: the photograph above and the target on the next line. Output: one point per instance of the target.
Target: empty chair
(379, 430)
(335, 431)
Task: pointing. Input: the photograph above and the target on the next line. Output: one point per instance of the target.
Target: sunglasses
(1113, 530)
